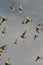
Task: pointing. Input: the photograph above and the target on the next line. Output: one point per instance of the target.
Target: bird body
(3, 19)
(23, 35)
(7, 62)
(15, 43)
(2, 48)
(4, 31)
(20, 9)
(26, 20)
(36, 35)
(37, 29)
(12, 7)
(38, 57)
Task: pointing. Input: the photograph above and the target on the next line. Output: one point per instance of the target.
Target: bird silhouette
(23, 35)
(36, 35)
(20, 9)
(23, 21)
(12, 7)
(28, 20)
(37, 30)
(38, 57)
(3, 19)
(4, 31)
(2, 48)
(8, 62)
(15, 43)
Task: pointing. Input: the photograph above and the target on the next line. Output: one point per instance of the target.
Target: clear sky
(23, 54)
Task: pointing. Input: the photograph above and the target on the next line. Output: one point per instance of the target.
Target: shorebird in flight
(3, 19)
(37, 29)
(2, 48)
(15, 43)
(38, 57)
(23, 35)
(4, 31)
(23, 21)
(12, 6)
(20, 9)
(36, 35)
(26, 20)
(8, 62)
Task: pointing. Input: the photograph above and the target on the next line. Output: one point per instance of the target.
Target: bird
(23, 21)
(4, 18)
(23, 35)
(15, 43)
(38, 57)
(2, 48)
(36, 35)
(28, 20)
(20, 9)
(37, 29)
(38, 24)
(4, 31)
(12, 6)
(8, 62)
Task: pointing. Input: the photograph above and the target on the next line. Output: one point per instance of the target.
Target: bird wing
(24, 33)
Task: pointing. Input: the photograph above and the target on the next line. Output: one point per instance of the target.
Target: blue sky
(22, 54)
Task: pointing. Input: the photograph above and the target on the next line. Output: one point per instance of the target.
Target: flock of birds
(26, 20)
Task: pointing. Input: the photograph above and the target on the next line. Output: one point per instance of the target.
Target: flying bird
(2, 48)
(3, 19)
(23, 35)
(38, 24)
(38, 57)
(20, 9)
(4, 31)
(15, 43)
(8, 62)
(36, 35)
(23, 21)
(37, 29)
(28, 20)
(12, 6)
